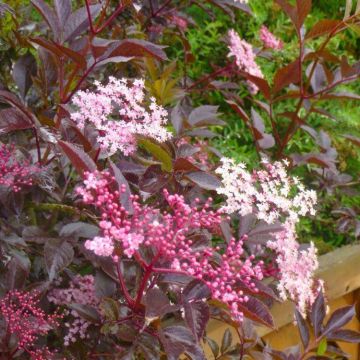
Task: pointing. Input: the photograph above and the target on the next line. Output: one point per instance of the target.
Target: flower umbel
(117, 110)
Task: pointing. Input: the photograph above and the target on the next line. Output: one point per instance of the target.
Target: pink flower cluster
(117, 110)
(26, 321)
(272, 196)
(13, 173)
(296, 267)
(266, 192)
(269, 40)
(176, 240)
(244, 57)
(81, 291)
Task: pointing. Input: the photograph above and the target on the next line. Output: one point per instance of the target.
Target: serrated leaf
(196, 290)
(58, 254)
(197, 315)
(303, 329)
(11, 119)
(257, 311)
(350, 336)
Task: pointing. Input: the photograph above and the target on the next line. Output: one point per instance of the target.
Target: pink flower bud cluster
(272, 196)
(244, 57)
(176, 238)
(26, 321)
(117, 110)
(269, 40)
(81, 291)
(14, 173)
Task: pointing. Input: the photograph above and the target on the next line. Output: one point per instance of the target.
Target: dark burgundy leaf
(341, 95)
(87, 312)
(303, 328)
(12, 119)
(49, 16)
(105, 286)
(239, 110)
(72, 55)
(262, 84)
(177, 117)
(17, 272)
(196, 290)
(322, 27)
(255, 310)
(318, 313)
(79, 230)
(197, 315)
(204, 180)
(63, 11)
(58, 254)
(135, 47)
(201, 133)
(339, 318)
(287, 75)
(226, 341)
(157, 304)
(344, 335)
(264, 140)
(125, 196)
(182, 164)
(23, 70)
(297, 13)
(205, 115)
(79, 159)
(78, 21)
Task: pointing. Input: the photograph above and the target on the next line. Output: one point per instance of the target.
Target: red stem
(127, 296)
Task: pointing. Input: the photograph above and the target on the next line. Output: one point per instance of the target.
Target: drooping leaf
(197, 315)
(58, 254)
(157, 304)
(204, 180)
(79, 159)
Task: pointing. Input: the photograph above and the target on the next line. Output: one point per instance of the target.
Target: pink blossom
(81, 291)
(176, 238)
(118, 111)
(13, 172)
(244, 57)
(269, 40)
(27, 321)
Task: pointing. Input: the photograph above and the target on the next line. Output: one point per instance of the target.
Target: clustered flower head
(81, 290)
(269, 39)
(118, 111)
(176, 239)
(15, 174)
(272, 195)
(244, 57)
(26, 321)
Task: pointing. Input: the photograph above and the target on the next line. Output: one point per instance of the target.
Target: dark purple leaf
(344, 335)
(318, 313)
(255, 310)
(303, 328)
(323, 27)
(63, 11)
(78, 22)
(204, 180)
(125, 196)
(58, 254)
(197, 315)
(12, 119)
(79, 230)
(264, 140)
(196, 290)
(205, 115)
(105, 286)
(342, 95)
(23, 70)
(226, 341)
(339, 318)
(157, 304)
(87, 312)
(17, 271)
(49, 16)
(79, 159)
